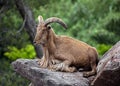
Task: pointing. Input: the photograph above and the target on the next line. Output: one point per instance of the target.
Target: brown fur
(62, 53)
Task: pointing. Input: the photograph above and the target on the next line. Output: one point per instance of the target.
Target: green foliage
(8, 77)
(26, 52)
(102, 48)
(85, 19)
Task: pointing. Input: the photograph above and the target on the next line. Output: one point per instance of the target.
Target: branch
(3, 9)
(23, 25)
(29, 23)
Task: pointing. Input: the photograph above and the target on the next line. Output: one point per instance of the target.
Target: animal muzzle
(36, 42)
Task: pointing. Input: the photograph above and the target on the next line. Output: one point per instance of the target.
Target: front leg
(47, 62)
(63, 66)
(43, 62)
(55, 61)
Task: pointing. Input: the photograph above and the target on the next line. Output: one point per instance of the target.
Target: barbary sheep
(62, 53)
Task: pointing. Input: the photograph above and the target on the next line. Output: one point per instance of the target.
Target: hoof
(72, 69)
(86, 74)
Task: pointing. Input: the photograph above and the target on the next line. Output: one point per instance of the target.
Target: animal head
(43, 29)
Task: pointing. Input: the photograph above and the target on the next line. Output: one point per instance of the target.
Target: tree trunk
(30, 25)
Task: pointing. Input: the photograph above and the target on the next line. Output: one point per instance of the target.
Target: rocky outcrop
(108, 72)
(109, 68)
(44, 77)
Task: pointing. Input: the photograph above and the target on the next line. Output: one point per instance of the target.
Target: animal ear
(40, 19)
(49, 27)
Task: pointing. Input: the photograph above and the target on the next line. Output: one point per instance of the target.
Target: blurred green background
(96, 22)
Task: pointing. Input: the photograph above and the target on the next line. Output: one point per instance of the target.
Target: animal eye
(48, 27)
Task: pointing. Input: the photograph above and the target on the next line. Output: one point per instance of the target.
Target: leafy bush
(15, 53)
(102, 48)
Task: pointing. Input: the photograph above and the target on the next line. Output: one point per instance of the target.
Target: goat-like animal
(62, 53)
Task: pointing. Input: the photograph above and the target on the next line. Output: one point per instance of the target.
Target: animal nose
(34, 42)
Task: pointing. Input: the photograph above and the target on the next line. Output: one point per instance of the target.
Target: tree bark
(30, 24)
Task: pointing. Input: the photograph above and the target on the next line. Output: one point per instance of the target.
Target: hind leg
(93, 62)
(64, 66)
(92, 72)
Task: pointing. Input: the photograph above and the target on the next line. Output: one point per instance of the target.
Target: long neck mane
(51, 42)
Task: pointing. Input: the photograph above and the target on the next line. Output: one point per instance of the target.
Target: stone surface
(44, 77)
(109, 68)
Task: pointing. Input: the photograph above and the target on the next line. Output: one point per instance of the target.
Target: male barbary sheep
(62, 53)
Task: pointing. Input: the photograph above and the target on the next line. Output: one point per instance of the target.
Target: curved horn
(55, 19)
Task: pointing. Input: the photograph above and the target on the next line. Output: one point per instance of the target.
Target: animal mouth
(39, 43)
(42, 43)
